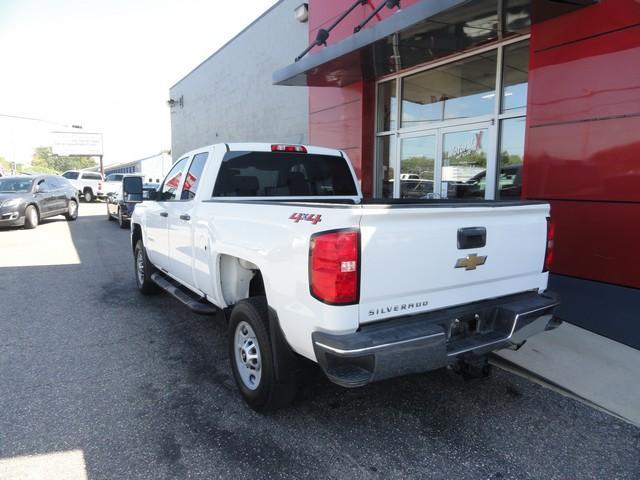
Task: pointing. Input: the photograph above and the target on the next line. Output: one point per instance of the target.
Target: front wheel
(252, 358)
(144, 269)
(88, 196)
(121, 221)
(72, 211)
(31, 217)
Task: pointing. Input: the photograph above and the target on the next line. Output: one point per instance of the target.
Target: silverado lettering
(398, 308)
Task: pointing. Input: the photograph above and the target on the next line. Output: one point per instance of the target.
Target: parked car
(25, 200)
(121, 210)
(88, 184)
(281, 237)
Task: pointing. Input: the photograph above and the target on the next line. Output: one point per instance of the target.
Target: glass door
(444, 163)
(417, 168)
(465, 171)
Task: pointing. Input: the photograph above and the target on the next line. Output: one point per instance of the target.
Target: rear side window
(277, 174)
(193, 176)
(70, 175)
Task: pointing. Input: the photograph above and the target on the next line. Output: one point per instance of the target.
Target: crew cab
(281, 239)
(88, 184)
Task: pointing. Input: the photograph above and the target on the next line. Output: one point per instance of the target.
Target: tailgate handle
(472, 237)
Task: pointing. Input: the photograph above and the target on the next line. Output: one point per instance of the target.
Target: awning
(418, 34)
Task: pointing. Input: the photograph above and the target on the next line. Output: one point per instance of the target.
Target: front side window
(275, 174)
(193, 176)
(71, 175)
(169, 188)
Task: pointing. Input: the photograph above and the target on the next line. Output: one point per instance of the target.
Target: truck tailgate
(410, 253)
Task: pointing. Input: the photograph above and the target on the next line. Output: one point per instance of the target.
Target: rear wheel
(109, 217)
(252, 358)
(144, 269)
(72, 211)
(31, 217)
(88, 196)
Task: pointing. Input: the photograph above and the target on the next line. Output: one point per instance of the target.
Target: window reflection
(464, 163)
(387, 106)
(509, 184)
(515, 76)
(457, 90)
(417, 163)
(386, 153)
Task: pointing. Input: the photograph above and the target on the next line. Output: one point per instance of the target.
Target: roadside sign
(77, 143)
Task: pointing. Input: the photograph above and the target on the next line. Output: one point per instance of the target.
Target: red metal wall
(583, 138)
(344, 117)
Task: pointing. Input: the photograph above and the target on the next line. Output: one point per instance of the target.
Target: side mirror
(132, 189)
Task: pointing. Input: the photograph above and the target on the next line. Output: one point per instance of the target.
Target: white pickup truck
(281, 239)
(88, 184)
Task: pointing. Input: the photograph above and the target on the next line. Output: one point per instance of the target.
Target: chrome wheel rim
(247, 355)
(73, 208)
(140, 267)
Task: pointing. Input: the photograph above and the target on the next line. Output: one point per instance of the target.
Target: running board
(197, 304)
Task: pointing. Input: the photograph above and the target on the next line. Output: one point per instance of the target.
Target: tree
(44, 159)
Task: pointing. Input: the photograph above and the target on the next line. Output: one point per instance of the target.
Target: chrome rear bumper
(420, 343)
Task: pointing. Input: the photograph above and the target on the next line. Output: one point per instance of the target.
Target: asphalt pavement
(97, 381)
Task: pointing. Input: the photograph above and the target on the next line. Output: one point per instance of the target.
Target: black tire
(121, 221)
(88, 196)
(143, 279)
(72, 211)
(31, 217)
(265, 394)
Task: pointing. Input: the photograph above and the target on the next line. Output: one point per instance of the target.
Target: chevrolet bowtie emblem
(471, 261)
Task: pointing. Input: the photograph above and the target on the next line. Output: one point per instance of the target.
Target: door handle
(185, 217)
(164, 214)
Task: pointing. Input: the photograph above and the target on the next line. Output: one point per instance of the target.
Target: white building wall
(230, 96)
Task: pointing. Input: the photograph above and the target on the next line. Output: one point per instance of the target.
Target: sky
(106, 65)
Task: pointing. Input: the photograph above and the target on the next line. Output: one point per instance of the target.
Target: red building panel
(598, 241)
(605, 16)
(596, 77)
(582, 145)
(595, 160)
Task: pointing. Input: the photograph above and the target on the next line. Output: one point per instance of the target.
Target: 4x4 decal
(314, 218)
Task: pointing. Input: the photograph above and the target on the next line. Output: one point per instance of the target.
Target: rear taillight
(551, 233)
(334, 266)
(288, 148)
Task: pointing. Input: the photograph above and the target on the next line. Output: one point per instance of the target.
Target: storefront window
(387, 106)
(454, 138)
(515, 76)
(457, 90)
(386, 153)
(509, 182)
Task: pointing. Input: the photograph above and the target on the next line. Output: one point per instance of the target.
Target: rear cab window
(91, 176)
(278, 174)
